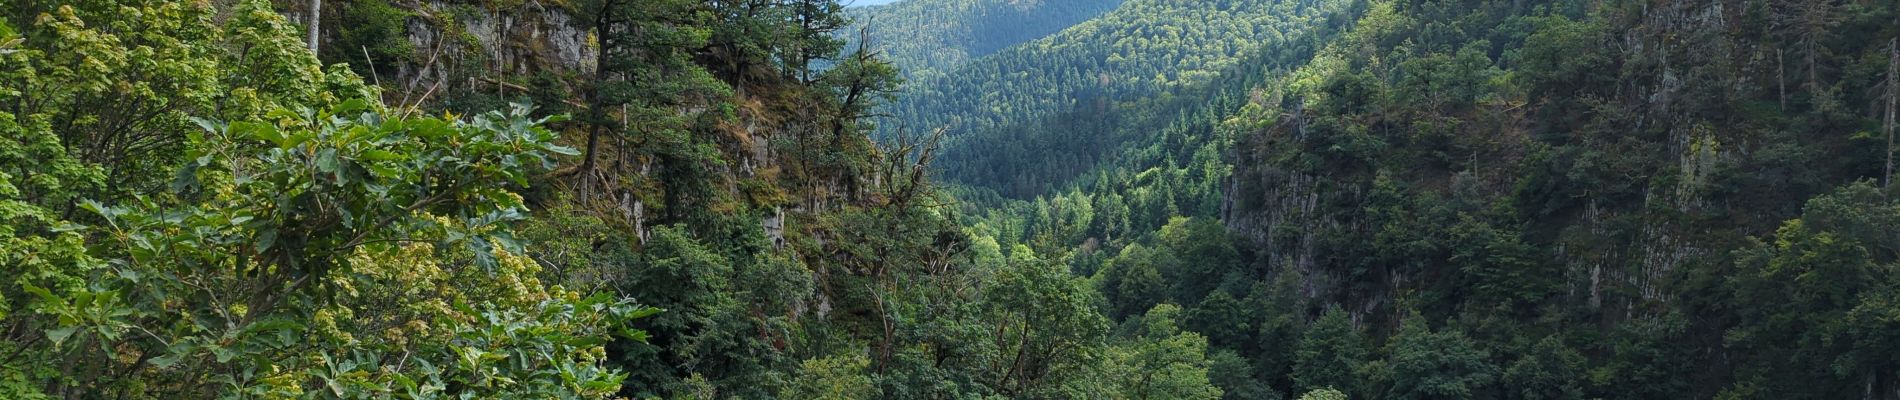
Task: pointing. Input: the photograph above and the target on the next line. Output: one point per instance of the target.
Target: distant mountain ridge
(1140, 50)
(930, 37)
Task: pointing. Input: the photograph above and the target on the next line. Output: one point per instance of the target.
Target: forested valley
(949, 199)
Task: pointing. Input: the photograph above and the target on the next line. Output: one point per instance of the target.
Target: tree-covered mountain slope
(728, 199)
(1514, 200)
(1516, 171)
(212, 199)
(1139, 49)
(1034, 117)
(928, 38)
(1106, 141)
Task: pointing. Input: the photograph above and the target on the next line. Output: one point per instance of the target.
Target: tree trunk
(1893, 93)
(316, 20)
(806, 13)
(1781, 77)
(594, 96)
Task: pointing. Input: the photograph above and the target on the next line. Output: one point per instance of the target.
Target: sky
(861, 3)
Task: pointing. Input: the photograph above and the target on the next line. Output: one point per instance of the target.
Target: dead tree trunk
(1781, 77)
(316, 20)
(1893, 94)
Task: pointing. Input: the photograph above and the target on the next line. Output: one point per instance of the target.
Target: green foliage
(1550, 370)
(1471, 161)
(931, 38)
(1324, 394)
(368, 34)
(1449, 80)
(1146, 81)
(1563, 54)
(1282, 316)
(1331, 355)
(118, 81)
(1048, 329)
(1132, 280)
(1141, 47)
(1224, 319)
(1204, 255)
(834, 379)
(333, 251)
(1236, 378)
(36, 175)
(1570, 186)
(1436, 365)
(678, 274)
(1815, 297)
(1164, 362)
(312, 246)
(1589, 196)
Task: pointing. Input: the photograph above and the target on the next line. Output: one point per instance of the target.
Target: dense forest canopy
(927, 39)
(949, 199)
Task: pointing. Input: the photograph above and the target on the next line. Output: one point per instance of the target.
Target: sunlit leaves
(334, 246)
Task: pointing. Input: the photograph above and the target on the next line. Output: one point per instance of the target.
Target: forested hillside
(1500, 200)
(969, 199)
(1136, 50)
(929, 38)
(369, 199)
(1144, 51)
(1647, 186)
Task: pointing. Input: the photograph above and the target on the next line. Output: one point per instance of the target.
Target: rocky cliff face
(422, 48)
(472, 55)
(494, 43)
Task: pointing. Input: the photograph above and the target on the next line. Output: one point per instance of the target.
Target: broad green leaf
(59, 335)
(166, 360)
(266, 239)
(64, 227)
(187, 178)
(208, 125)
(327, 161)
(259, 131)
(644, 312)
(352, 106)
(45, 295)
(223, 353)
(381, 155)
(563, 150)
